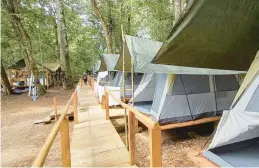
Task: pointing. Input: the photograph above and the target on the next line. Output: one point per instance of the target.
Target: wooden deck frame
(155, 137)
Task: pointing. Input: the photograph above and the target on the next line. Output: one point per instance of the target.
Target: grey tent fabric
(221, 34)
(142, 51)
(240, 154)
(184, 97)
(236, 140)
(139, 50)
(110, 61)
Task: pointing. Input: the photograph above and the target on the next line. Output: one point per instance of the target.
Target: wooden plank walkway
(95, 142)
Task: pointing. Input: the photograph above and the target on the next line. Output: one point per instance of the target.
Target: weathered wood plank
(95, 142)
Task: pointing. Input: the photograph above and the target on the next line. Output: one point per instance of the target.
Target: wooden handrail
(42, 155)
(141, 117)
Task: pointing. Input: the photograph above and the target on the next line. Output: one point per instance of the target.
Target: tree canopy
(85, 32)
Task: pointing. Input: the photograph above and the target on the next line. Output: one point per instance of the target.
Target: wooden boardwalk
(95, 142)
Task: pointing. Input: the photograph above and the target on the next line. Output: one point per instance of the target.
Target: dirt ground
(21, 140)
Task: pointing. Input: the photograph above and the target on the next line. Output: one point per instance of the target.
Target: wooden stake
(132, 138)
(107, 106)
(55, 109)
(65, 143)
(75, 104)
(155, 147)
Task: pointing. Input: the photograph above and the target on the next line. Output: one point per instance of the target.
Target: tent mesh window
(193, 97)
(226, 89)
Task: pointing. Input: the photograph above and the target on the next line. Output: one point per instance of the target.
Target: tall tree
(63, 44)
(107, 32)
(5, 79)
(12, 7)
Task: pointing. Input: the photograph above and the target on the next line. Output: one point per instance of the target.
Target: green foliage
(146, 18)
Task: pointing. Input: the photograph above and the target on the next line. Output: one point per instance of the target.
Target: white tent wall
(179, 98)
(146, 89)
(249, 76)
(240, 123)
(236, 140)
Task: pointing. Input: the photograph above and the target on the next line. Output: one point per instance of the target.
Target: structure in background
(19, 75)
(236, 142)
(113, 79)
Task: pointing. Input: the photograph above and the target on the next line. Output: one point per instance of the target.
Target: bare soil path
(21, 140)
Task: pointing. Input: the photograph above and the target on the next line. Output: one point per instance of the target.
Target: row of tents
(196, 74)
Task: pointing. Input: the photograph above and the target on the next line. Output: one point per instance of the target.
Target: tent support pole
(155, 142)
(124, 91)
(132, 92)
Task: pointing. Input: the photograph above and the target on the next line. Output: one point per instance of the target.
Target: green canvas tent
(141, 51)
(218, 34)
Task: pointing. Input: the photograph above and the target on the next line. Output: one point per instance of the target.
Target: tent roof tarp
(52, 66)
(110, 61)
(220, 34)
(142, 51)
(20, 64)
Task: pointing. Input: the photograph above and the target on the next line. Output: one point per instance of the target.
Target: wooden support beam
(107, 106)
(65, 143)
(155, 143)
(55, 109)
(75, 105)
(147, 121)
(189, 123)
(132, 147)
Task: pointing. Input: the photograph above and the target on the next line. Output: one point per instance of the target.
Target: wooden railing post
(55, 109)
(132, 137)
(155, 147)
(65, 143)
(107, 105)
(75, 104)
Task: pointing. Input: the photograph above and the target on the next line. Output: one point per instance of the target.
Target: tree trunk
(54, 14)
(63, 46)
(12, 8)
(108, 35)
(5, 79)
(177, 10)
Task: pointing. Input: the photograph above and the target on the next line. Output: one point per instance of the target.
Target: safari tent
(115, 78)
(236, 141)
(19, 73)
(192, 93)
